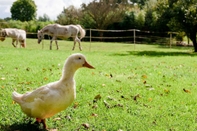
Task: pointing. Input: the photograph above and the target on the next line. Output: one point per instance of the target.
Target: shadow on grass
(21, 127)
(156, 53)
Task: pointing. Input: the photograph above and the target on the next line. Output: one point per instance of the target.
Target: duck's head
(78, 60)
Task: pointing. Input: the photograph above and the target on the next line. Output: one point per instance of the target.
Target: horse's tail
(82, 31)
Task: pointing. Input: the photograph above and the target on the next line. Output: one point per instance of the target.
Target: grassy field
(133, 88)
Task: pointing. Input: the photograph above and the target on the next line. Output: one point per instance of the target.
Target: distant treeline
(30, 26)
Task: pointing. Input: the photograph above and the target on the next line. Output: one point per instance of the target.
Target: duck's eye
(79, 58)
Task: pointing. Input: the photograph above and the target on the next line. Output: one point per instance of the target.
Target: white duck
(54, 97)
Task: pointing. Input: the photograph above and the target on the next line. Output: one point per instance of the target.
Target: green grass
(138, 87)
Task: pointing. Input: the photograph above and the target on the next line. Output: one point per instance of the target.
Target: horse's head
(3, 34)
(23, 43)
(40, 36)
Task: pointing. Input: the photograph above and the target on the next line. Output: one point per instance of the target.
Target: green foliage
(23, 10)
(71, 15)
(30, 26)
(17, 24)
(3, 24)
(187, 12)
(111, 12)
(135, 19)
(184, 16)
(87, 21)
(180, 36)
(140, 2)
(44, 18)
(129, 21)
(150, 16)
(181, 16)
(134, 87)
(140, 19)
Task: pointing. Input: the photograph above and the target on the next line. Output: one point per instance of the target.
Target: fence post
(90, 35)
(170, 39)
(134, 38)
(90, 39)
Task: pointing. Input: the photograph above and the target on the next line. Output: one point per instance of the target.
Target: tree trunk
(193, 39)
(195, 46)
(192, 36)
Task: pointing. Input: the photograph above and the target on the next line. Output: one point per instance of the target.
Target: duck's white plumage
(54, 97)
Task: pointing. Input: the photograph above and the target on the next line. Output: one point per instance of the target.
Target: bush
(180, 36)
(30, 26)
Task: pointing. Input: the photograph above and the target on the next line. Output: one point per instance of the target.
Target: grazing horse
(15, 34)
(62, 32)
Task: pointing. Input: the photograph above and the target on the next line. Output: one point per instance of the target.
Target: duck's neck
(68, 73)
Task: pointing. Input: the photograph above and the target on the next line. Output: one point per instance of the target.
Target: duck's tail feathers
(17, 97)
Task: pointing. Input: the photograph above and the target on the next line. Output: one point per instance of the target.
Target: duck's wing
(39, 93)
(29, 97)
(33, 103)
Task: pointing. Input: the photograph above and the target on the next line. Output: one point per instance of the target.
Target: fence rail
(129, 35)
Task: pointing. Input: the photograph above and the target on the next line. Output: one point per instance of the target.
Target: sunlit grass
(137, 87)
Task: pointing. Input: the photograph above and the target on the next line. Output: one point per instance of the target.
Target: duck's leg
(43, 121)
(37, 121)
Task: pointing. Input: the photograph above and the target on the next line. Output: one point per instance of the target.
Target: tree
(104, 13)
(140, 20)
(185, 13)
(150, 15)
(182, 16)
(140, 2)
(23, 10)
(70, 15)
(129, 21)
(44, 18)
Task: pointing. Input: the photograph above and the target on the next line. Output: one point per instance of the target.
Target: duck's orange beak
(86, 64)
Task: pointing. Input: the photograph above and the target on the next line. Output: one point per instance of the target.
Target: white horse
(15, 34)
(62, 32)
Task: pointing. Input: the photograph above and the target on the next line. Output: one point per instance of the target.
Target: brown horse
(62, 32)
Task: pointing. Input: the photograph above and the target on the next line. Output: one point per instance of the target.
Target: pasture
(134, 87)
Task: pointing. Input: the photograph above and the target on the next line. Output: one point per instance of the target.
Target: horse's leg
(20, 43)
(78, 40)
(16, 43)
(13, 40)
(51, 44)
(74, 43)
(56, 44)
